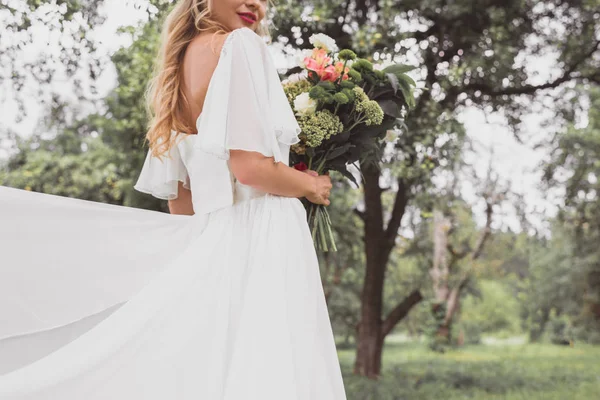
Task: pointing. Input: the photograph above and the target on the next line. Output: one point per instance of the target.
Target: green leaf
(407, 92)
(398, 68)
(348, 175)
(391, 108)
(339, 151)
(406, 78)
(393, 81)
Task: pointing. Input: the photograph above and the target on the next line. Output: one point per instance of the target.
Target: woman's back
(198, 65)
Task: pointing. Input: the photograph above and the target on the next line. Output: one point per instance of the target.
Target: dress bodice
(241, 192)
(245, 108)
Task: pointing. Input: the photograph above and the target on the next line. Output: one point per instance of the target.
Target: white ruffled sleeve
(245, 109)
(160, 177)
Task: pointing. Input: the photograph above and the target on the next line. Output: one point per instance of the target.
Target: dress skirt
(111, 302)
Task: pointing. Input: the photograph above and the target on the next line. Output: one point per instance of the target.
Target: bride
(222, 298)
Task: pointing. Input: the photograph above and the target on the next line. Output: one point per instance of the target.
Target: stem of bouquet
(318, 217)
(360, 121)
(343, 71)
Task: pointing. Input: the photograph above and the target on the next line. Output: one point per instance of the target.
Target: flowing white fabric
(102, 301)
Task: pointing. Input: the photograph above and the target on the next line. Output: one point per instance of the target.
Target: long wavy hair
(166, 102)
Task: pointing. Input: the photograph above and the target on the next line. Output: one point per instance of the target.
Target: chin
(242, 25)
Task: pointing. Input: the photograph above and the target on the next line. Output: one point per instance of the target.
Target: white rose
(323, 41)
(301, 56)
(304, 105)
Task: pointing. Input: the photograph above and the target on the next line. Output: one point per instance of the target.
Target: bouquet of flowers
(344, 107)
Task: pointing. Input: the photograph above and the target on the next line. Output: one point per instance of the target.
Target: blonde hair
(166, 102)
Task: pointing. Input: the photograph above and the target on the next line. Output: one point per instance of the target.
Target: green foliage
(98, 157)
(400, 81)
(494, 310)
(561, 331)
(437, 343)
(69, 25)
(570, 273)
(470, 331)
(94, 174)
(508, 372)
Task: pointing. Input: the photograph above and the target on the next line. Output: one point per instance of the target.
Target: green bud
(349, 94)
(355, 75)
(341, 98)
(346, 54)
(328, 85)
(362, 64)
(317, 92)
(369, 78)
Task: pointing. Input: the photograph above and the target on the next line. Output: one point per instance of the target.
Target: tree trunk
(370, 340)
(379, 242)
(440, 270)
(452, 308)
(445, 258)
(369, 348)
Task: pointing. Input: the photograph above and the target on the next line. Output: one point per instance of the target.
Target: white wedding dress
(111, 302)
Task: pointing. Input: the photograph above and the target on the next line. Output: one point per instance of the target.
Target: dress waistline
(245, 192)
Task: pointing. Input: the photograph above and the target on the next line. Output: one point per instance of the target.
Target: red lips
(249, 15)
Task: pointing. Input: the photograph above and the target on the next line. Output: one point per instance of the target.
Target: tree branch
(529, 89)
(485, 233)
(359, 214)
(400, 203)
(400, 311)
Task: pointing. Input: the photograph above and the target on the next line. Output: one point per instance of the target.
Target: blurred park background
(469, 264)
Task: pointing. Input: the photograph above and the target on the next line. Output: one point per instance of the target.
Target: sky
(493, 142)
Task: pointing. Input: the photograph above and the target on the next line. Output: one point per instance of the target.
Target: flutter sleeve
(160, 177)
(245, 109)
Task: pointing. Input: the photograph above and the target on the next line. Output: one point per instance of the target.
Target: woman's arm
(183, 203)
(256, 170)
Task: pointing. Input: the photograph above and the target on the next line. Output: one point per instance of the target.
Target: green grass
(509, 372)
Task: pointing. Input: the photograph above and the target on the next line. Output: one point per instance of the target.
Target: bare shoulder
(208, 46)
(200, 61)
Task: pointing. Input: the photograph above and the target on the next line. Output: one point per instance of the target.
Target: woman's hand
(322, 188)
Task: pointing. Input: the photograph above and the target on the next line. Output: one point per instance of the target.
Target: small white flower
(304, 105)
(322, 41)
(301, 56)
(296, 77)
(300, 76)
(391, 135)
